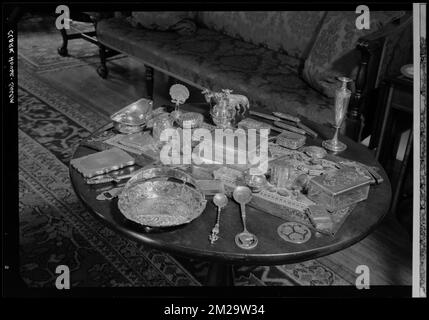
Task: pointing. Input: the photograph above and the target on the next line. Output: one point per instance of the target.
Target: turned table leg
(63, 49)
(220, 275)
(102, 69)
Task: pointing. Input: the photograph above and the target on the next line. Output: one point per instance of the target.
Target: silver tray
(150, 199)
(133, 117)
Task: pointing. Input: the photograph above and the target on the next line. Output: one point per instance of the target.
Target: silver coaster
(294, 232)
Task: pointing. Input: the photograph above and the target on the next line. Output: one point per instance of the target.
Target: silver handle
(263, 115)
(288, 127)
(286, 116)
(307, 129)
(243, 215)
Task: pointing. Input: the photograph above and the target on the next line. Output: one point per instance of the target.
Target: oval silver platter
(150, 199)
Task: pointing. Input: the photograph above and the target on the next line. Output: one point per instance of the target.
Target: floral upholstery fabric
(215, 61)
(398, 51)
(334, 51)
(290, 32)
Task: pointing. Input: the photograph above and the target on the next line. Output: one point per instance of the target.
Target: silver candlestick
(342, 97)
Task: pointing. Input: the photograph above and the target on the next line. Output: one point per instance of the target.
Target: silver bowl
(193, 119)
(133, 117)
(151, 199)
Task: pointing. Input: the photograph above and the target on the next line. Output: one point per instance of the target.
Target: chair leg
(62, 51)
(149, 81)
(102, 69)
(402, 172)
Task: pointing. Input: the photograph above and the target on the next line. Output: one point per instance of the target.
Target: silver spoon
(245, 239)
(220, 200)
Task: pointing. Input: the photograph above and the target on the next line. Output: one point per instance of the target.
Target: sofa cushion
(180, 21)
(292, 32)
(212, 60)
(334, 52)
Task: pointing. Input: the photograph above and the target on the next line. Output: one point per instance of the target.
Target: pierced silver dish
(133, 117)
(161, 197)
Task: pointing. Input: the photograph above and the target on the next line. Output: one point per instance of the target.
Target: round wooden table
(191, 240)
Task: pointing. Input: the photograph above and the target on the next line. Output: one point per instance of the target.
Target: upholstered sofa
(282, 61)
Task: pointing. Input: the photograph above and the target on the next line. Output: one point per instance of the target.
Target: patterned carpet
(56, 229)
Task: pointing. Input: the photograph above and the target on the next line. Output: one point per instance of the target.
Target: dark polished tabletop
(191, 240)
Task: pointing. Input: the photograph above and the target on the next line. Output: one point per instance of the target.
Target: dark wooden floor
(387, 252)
(125, 84)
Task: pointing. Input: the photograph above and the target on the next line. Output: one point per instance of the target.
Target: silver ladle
(220, 200)
(245, 239)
